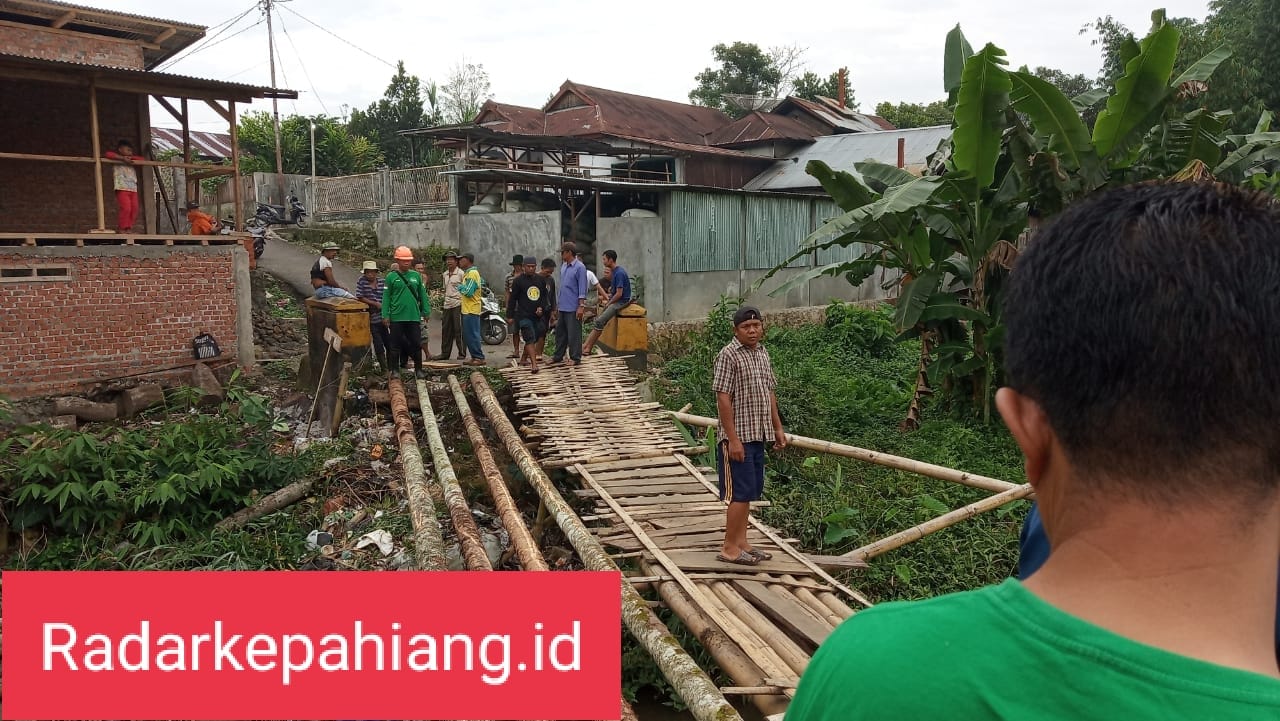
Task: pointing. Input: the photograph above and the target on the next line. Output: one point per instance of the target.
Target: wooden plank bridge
(661, 514)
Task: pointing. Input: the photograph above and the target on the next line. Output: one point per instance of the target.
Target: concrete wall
(494, 237)
(419, 233)
(638, 242)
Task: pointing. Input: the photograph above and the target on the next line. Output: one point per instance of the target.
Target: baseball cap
(746, 313)
(451, 254)
(370, 265)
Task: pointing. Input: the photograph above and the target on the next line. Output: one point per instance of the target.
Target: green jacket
(405, 297)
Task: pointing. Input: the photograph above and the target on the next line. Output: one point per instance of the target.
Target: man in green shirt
(404, 306)
(1141, 370)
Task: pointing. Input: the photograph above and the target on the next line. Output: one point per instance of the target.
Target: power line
(275, 48)
(304, 66)
(348, 42)
(225, 25)
(219, 42)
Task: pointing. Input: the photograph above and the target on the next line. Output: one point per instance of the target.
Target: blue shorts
(531, 329)
(743, 480)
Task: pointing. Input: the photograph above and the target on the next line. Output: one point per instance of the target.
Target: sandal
(760, 555)
(744, 558)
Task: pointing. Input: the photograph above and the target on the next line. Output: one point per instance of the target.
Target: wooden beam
(189, 184)
(224, 112)
(97, 156)
(63, 19)
(165, 35)
(210, 174)
(235, 170)
(164, 103)
(150, 86)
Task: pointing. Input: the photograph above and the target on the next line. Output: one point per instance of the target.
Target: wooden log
(779, 642)
(138, 398)
(383, 398)
(787, 612)
(526, 549)
(695, 688)
(915, 533)
(337, 398)
(428, 541)
(930, 470)
(85, 410)
(271, 503)
(464, 524)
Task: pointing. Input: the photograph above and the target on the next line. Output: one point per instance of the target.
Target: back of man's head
(1145, 322)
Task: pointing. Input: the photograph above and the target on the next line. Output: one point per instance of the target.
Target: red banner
(311, 645)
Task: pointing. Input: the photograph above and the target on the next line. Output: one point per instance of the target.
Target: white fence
(383, 190)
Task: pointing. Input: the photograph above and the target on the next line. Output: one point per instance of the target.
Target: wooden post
(235, 169)
(97, 157)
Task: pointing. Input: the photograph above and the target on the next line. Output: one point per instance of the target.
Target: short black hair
(125, 143)
(1145, 321)
(548, 263)
(611, 255)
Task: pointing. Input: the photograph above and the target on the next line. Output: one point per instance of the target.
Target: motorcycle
(259, 233)
(275, 214)
(493, 327)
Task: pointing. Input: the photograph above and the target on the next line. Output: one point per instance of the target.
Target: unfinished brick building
(79, 301)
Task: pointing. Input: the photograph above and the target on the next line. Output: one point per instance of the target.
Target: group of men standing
(535, 306)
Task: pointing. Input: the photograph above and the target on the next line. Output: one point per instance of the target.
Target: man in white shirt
(451, 324)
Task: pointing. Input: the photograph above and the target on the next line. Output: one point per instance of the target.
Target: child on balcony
(126, 184)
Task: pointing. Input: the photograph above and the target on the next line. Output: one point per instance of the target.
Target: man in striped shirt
(369, 289)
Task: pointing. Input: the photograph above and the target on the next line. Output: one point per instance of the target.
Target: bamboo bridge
(656, 516)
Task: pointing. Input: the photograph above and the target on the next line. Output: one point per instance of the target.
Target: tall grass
(847, 380)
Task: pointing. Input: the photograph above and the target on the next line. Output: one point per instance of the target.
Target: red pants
(127, 200)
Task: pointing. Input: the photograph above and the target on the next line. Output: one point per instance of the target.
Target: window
(34, 273)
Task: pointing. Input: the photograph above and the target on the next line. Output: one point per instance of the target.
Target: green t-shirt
(1002, 653)
(405, 297)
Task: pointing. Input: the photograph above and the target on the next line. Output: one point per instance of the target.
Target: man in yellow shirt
(471, 290)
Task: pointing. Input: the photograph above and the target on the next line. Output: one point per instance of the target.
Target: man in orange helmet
(404, 305)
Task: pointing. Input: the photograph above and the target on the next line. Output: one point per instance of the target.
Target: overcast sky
(893, 49)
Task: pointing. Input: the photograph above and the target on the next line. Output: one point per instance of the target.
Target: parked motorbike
(259, 233)
(275, 214)
(493, 327)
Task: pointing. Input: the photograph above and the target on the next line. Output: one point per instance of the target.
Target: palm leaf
(1142, 90)
(979, 115)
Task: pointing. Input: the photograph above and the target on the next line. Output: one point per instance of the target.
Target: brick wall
(47, 119)
(48, 44)
(124, 310)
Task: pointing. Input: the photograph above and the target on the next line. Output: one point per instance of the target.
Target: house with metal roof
(909, 148)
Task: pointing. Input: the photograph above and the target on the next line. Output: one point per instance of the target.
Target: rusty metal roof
(758, 127)
(692, 148)
(214, 146)
(602, 111)
(161, 39)
(508, 118)
(842, 152)
(840, 119)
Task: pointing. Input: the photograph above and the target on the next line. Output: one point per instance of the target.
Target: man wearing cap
(744, 385)
(471, 290)
(369, 290)
(528, 309)
(404, 305)
(451, 321)
(326, 286)
(619, 299)
(571, 306)
(517, 265)
(201, 223)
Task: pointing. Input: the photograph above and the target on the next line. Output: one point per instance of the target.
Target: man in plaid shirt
(748, 408)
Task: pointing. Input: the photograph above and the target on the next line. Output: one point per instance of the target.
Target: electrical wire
(224, 26)
(219, 42)
(304, 66)
(284, 76)
(339, 37)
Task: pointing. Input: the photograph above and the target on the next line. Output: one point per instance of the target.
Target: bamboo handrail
(526, 549)
(428, 541)
(695, 688)
(464, 524)
(89, 159)
(930, 470)
(915, 533)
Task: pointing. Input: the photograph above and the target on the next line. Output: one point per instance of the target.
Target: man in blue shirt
(620, 282)
(571, 305)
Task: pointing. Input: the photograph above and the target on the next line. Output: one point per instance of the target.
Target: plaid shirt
(747, 376)
(371, 291)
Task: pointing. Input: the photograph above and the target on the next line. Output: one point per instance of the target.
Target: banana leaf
(956, 52)
(1142, 89)
(1053, 116)
(1089, 98)
(979, 116)
(944, 306)
(844, 189)
(883, 173)
(1264, 122)
(1203, 68)
(1198, 136)
(915, 298)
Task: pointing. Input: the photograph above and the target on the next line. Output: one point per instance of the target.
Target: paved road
(292, 264)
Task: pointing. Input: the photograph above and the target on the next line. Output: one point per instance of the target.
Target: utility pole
(275, 103)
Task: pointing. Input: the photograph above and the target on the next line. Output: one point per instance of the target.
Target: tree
(338, 151)
(1070, 85)
(809, 86)
(464, 92)
(915, 115)
(402, 107)
(744, 69)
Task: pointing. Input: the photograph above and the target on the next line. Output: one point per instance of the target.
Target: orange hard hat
(403, 253)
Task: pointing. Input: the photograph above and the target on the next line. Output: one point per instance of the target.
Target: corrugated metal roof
(838, 118)
(110, 23)
(841, 152)
(756, 127)
(208, 145)
(166, 81)
(508, 118)
(691, 148)
(611, 111)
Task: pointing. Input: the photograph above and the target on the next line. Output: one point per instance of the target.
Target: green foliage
(338, 151)
(744, 69)
(464, 93)
(404, 106)
(809, 85)
(153, 485)
(849, 381)
(915, 115)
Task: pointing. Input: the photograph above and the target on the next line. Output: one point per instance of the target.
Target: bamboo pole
(915, 533)
(282, 498)
(695, 688)
(97, 156)
(463, 522)
(526, 549)
(729, 655)
(236, 201)
(777, 641)
(930, 470)
(428, 542)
